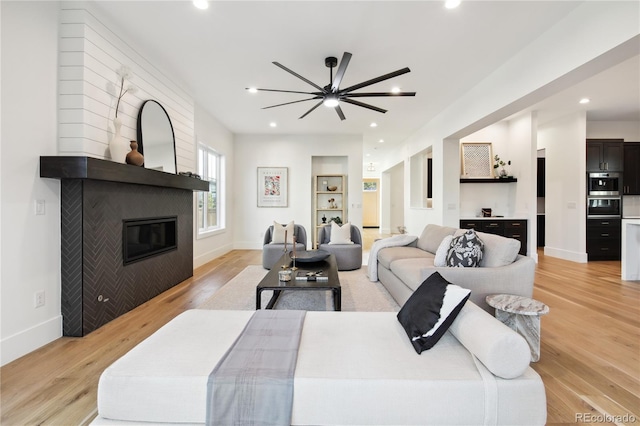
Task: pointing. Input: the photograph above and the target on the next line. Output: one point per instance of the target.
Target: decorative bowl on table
(310, 256)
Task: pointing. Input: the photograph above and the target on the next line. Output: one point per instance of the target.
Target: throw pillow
(441, 253)
(430, 310)
(340, 234)
(277, 237)
(465, 250)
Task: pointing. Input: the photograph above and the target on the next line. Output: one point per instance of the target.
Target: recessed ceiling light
(252, 90)
(585, 100)
(451, 4)
(201, 4)
(368, 155)
(273, 124)
(381, 141)
(373, 125)
(395, 90)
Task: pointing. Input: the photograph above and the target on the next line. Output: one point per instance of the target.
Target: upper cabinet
(631, 176)
(604, 155)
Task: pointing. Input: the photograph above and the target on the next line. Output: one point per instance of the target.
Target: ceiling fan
(331, 95)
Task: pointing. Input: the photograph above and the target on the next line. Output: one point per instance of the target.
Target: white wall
(598, 35)
(210, 132)
(294, 152)
(30, 243)
(91, 51)
(627, 130)
(565, 191)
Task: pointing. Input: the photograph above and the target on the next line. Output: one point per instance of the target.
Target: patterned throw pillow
(465, 250)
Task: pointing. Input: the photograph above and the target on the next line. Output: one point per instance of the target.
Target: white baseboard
(573, 256)
(210, 255)
(13, 347)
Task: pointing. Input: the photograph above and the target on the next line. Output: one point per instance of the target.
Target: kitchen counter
(630, 249)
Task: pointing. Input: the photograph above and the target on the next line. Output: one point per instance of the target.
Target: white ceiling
(219, 52)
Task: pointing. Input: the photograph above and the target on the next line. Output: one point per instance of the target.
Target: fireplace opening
(144, 238)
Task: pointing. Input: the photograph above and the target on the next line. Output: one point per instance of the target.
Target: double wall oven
(603, 195)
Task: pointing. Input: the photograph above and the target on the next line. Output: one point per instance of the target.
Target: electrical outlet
(39, 299)
(40, 207)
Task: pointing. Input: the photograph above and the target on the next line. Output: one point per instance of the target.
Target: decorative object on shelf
(476, 160)
(332, 203)
(332, 188)
(324, 219)
(486, 212)
(156, 139)
(118, 147)
(272, 187)
(500, 163)
(336, 219)
(134, 157)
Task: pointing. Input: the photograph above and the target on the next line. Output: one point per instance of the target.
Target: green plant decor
(336, 219)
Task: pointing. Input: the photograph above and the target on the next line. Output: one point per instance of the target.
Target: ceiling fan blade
(363, 105)
(294, 102)
(340, 113)
(377, 94)
(307, 113)
(286, 91)
(299, 76)
(375, 80)
(344, 62)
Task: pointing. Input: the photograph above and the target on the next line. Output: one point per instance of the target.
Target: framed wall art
(477, 160)
(273, 187)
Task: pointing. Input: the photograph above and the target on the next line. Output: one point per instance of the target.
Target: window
(210, 216)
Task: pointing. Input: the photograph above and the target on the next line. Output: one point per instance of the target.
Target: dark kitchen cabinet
(510, 228)
(603, 239)
(631, 176)
(605, 155)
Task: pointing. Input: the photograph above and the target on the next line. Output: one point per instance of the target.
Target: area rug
(358, 294)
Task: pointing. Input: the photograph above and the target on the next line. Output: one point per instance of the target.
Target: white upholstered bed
(352, 368)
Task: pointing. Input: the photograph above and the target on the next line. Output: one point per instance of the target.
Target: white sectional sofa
(402, 269)
(353, 368)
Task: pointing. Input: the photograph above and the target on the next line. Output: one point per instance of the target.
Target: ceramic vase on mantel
(134, 157)
(118, 147)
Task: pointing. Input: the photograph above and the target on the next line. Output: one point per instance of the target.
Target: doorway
(371, 203)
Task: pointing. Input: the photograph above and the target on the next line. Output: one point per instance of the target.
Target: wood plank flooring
(590, 360)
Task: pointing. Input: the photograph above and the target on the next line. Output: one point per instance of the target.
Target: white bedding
(353, 368)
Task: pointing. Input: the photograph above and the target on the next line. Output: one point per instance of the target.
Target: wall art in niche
(273, 187)
(477, 160)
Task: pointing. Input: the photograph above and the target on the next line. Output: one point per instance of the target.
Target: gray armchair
(348, 256)
(272, 252)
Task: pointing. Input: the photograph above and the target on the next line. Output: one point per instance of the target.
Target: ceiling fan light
(201, 4)
(331, 102)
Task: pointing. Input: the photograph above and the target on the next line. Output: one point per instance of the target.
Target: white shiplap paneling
(90, 53)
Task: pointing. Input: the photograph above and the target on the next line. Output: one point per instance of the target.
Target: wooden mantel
(70, 167)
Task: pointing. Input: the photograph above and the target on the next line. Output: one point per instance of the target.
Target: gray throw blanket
(253, 382)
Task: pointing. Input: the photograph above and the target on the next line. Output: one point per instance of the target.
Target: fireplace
(103, 206)
(144, 238)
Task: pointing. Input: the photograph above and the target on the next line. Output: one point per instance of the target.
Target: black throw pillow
(430, 310)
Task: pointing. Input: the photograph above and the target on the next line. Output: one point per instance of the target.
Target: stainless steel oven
(604, 207)
(603, 184)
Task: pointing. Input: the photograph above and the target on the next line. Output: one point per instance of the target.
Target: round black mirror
(156, 140)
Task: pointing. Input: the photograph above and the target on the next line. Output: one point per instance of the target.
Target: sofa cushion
(503, 351)
(430, 310)
(388, 255)
(280, 231)
(465, 250)
(410, 271)
(340, 234)
(443, 249)
(498, 250)
(432, 235)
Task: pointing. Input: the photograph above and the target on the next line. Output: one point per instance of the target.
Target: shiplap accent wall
(90, 54)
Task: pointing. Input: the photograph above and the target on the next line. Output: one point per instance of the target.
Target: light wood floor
(590, 346)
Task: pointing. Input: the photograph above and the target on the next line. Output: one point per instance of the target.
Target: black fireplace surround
(100, 201)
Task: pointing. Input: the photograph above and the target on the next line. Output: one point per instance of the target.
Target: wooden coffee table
(271, 281)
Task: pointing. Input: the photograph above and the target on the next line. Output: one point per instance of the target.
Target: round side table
(522, 315)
